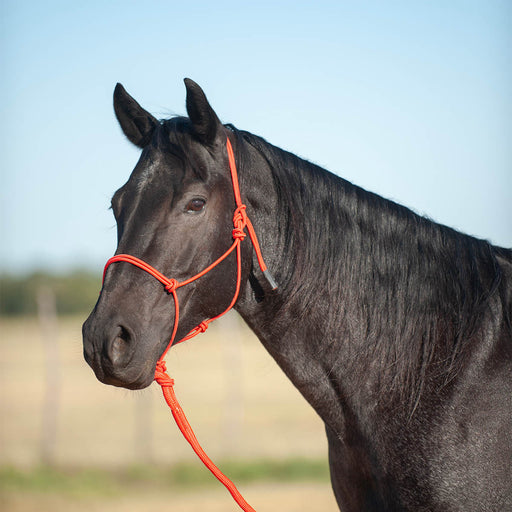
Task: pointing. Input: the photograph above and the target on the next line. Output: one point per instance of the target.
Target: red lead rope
(240, 222)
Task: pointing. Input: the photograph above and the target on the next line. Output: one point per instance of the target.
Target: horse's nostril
(120, 345)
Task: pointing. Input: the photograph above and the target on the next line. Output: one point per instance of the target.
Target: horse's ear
(204, 120)
(137, 124)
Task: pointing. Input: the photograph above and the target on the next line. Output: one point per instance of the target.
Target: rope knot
(239, 221)
(202, 327)
(171, 286)
(238, 233)
(161, 375)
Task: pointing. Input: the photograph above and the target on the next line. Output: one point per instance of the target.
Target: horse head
(175, 213)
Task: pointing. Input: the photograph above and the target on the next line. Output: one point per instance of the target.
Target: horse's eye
(196, 205)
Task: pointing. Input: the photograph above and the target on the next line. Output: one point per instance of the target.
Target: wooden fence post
(143, 427)
(47, 314)
(233, 372)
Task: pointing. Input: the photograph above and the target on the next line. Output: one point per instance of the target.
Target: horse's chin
(129, 377)
(123, 383)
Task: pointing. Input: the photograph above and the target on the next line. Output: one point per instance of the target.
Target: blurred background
(407, 99)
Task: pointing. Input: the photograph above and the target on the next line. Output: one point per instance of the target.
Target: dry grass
(236, 398)
(282, 498)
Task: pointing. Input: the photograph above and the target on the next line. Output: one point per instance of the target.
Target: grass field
(240, 405)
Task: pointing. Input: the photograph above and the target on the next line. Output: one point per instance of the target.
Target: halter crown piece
(240, 222)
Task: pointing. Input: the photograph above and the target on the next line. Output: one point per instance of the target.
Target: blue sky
(411, 100)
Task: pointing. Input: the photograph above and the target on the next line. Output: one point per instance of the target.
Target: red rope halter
(240, 222)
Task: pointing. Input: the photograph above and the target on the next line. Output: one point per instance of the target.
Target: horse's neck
(304, 323)
(365, 292)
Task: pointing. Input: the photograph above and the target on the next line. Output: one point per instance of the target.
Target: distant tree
(75, 292)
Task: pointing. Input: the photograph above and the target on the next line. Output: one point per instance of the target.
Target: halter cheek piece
(240, 222)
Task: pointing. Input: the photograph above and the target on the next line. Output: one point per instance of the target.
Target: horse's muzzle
(110, 351)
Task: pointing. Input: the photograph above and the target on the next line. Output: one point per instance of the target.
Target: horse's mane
(407, 293)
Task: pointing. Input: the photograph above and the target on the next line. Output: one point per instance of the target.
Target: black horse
(396, 330)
